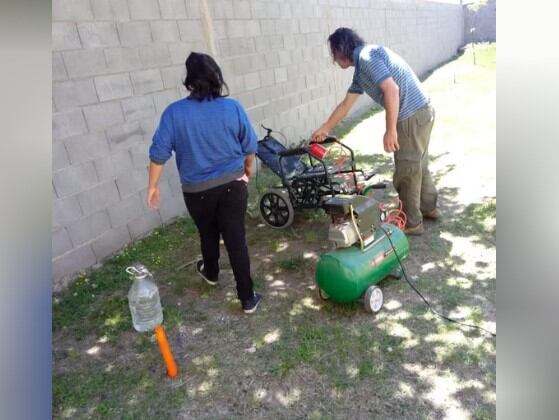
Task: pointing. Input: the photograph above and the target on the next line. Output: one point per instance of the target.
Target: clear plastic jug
(143, 299)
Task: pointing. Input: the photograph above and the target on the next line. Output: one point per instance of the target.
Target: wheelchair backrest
(268, 152)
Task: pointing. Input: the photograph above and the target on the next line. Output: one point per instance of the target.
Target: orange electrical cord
(395, 215)
(166, 351)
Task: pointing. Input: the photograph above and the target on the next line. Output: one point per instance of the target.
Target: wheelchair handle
(293, 152)
(268, 130)
(330, 139)
(327, 139)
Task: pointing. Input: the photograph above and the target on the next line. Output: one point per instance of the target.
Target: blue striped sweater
(373, 64)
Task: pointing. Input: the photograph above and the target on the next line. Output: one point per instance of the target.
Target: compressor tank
(344, 274)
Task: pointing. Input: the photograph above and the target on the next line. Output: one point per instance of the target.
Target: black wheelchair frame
(306, 179)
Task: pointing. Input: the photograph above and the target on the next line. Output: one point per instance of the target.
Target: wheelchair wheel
(276, 209)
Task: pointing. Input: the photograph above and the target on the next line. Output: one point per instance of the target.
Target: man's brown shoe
(433, 214)
(415, 230)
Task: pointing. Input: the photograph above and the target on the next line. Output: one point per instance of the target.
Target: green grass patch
(318, 415)
(258, 282)
(314, 215)
(293, 263)
(343, 356)
(342, 310)
(126, 393)
(180, 281)
(463, 356)
(172, 317)
(311, 235)
(478, 220)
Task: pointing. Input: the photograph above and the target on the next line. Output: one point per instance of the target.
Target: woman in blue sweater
(214, 145)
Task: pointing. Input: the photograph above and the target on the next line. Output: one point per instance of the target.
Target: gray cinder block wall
(118, 63)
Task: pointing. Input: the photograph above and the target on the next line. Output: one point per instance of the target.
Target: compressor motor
(354, 219)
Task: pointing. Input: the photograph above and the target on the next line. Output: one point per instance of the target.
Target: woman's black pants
(221, 211)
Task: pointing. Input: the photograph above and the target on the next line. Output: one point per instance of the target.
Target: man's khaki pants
(412, 178)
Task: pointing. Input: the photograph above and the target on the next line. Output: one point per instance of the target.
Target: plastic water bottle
(143, 299)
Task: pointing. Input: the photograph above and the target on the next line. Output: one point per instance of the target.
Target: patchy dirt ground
(299, 356)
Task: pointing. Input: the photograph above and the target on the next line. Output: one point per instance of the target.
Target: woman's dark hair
(204, 79)
(343, 41)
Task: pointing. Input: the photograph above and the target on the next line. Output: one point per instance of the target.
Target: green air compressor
(364, 252)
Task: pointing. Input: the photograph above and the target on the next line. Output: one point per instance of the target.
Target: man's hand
(319, 135)
(153, 197)
(391, 141)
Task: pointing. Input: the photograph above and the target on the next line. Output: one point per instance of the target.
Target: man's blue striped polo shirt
(373, 64)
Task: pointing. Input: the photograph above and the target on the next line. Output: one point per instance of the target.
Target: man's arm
(391, 93)
(339, 113)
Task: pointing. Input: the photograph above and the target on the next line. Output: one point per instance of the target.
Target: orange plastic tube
(166, 351)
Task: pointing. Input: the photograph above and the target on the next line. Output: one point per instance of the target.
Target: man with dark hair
(390, 82)
(214, 145)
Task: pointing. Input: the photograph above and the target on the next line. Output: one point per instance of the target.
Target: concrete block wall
(118, 63)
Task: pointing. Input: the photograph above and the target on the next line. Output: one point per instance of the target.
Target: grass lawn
(299, 356)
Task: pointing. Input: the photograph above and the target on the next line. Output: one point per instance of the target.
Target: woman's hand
(153, 197)
(249, 162)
